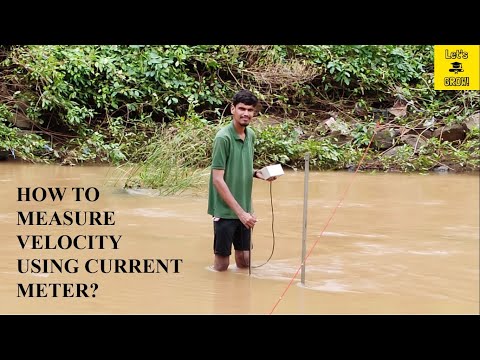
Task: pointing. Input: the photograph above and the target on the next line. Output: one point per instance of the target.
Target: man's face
(243, 114)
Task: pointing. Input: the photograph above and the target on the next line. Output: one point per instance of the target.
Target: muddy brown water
(376, 243)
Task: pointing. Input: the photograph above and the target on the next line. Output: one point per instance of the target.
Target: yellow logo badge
(456, 67)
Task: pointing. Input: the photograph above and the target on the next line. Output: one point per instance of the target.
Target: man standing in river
(230, 187)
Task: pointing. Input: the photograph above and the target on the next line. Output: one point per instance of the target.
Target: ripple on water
(429, 252)
(6, 218)
(154, 212)
(336, 234)
(231, 268)
(143, 192)
(329, 285)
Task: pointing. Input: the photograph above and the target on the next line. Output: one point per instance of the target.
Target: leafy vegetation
(115, 104)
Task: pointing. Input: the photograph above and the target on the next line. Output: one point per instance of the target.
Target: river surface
(376, 243)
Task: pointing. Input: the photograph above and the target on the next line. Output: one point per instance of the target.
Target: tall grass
(176, 160)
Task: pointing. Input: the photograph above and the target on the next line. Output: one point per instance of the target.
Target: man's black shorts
(227, 232)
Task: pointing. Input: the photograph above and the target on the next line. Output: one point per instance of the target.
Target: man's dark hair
(245, 97)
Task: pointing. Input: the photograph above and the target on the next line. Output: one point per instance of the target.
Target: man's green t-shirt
(235, 157)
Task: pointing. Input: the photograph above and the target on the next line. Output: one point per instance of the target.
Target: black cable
(273, 232)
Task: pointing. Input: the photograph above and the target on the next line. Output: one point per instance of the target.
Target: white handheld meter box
(272, 170)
